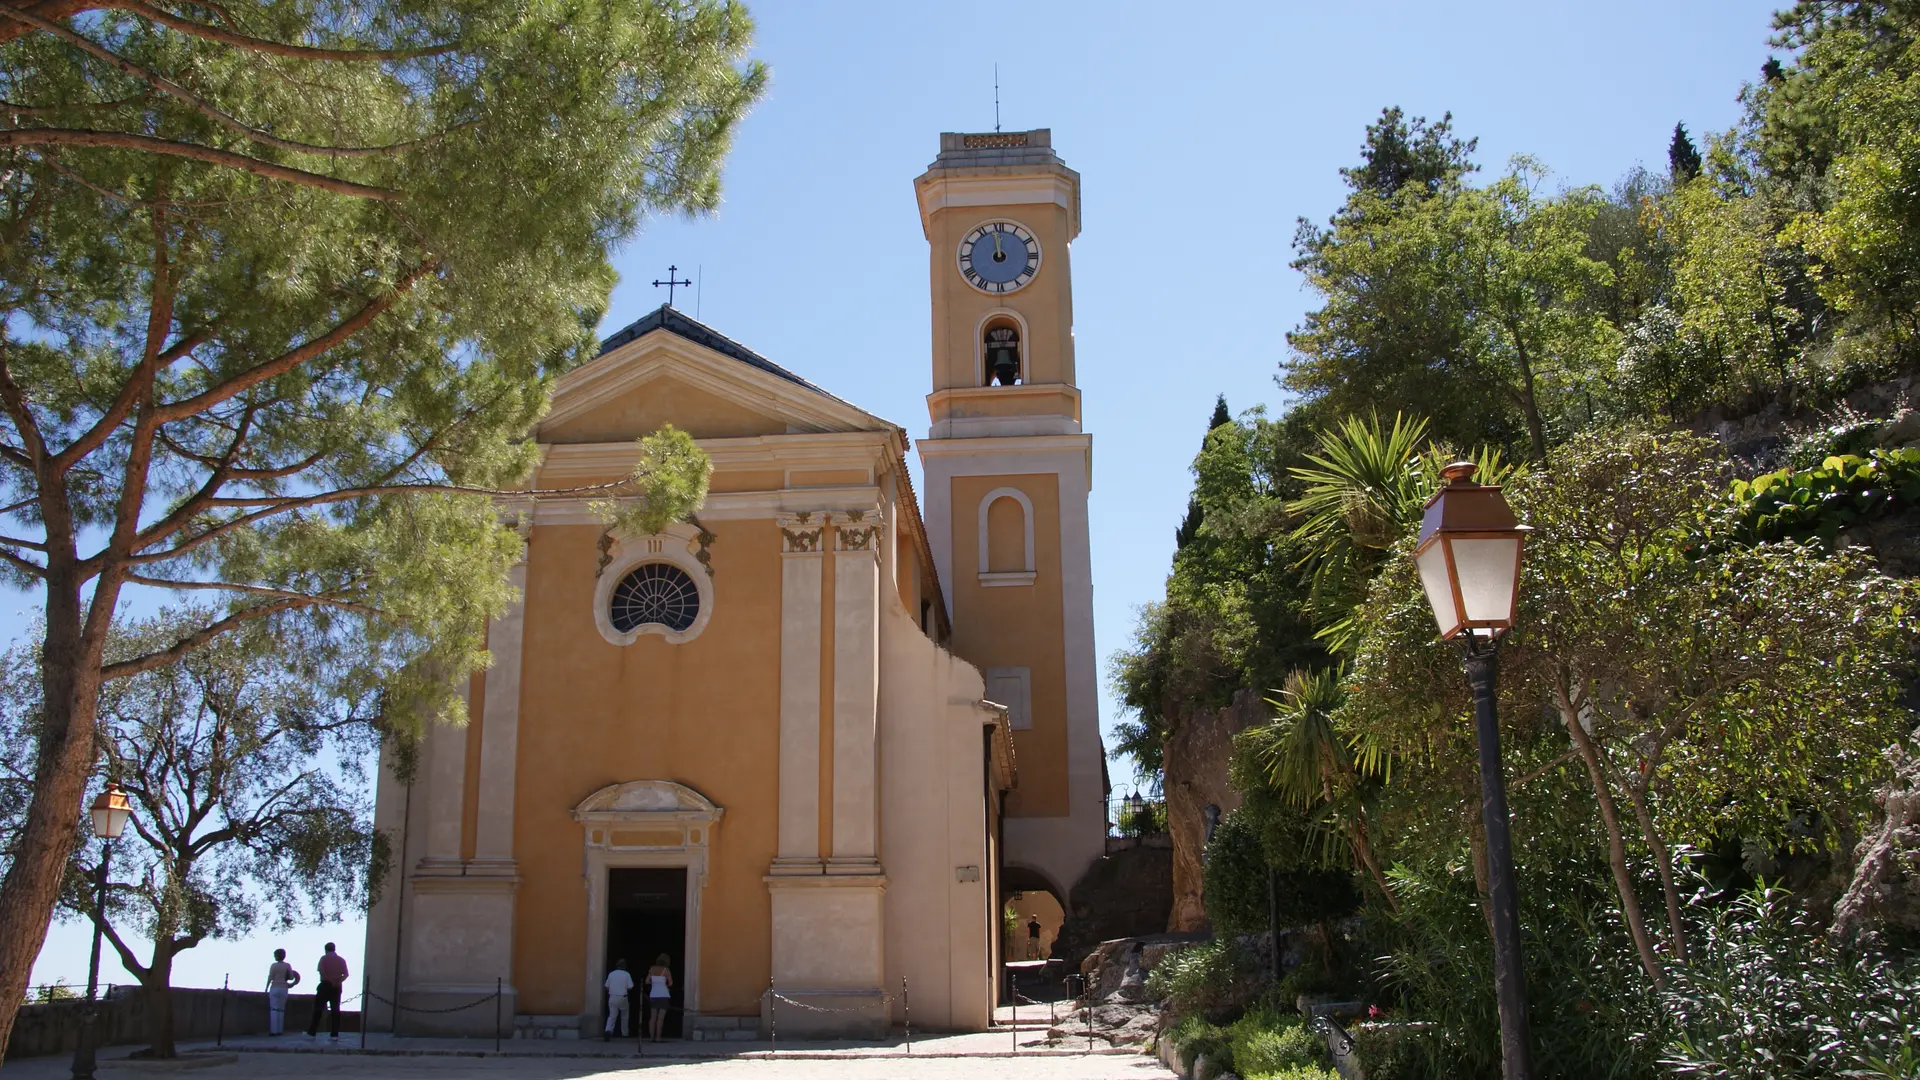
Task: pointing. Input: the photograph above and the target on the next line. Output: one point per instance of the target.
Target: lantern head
(110, 811)
(1468, 555)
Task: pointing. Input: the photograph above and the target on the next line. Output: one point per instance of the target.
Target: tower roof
(998, 168)
(992, 149)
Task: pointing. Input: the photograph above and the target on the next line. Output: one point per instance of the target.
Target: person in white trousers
(619, 985)
(280, 978)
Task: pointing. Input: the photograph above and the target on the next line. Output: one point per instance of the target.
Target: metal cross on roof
(670, 283)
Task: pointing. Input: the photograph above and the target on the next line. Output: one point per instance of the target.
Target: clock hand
(997, 253)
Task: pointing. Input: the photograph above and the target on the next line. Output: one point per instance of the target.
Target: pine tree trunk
(1616, 842)
(44, 845)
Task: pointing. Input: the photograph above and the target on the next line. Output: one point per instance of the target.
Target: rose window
(658, 593)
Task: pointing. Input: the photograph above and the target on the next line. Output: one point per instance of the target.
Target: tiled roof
(674, 321)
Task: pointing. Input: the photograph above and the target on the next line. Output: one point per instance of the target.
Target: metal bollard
(498, 985)
(906, 1013)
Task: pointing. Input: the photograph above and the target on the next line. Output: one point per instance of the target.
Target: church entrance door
(647, 916)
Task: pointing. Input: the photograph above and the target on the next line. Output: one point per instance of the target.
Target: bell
(1003, 356)
(1004, 363)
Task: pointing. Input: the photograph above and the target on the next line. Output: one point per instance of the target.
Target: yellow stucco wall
(1046, 305)
(704, 714)
(664, 400)
(1019, 626)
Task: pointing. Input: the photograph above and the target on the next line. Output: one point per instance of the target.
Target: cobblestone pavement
(349, 1066)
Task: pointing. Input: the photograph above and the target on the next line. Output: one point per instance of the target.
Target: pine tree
(1399, 152)
(280, 295)
(1683, 158)
(1190, 525)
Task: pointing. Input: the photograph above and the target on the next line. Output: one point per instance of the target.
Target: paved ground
(381, 1067)
(988, 1055)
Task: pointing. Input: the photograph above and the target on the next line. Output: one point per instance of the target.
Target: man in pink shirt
(326, 995)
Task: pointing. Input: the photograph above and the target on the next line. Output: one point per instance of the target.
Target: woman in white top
(280, 978)
(659, 995)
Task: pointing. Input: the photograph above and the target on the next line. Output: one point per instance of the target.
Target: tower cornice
(1011, 168)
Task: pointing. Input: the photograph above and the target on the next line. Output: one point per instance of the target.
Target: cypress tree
(1683, 158)
(1190, 525)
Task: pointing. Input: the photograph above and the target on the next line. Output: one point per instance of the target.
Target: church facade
(803, 745)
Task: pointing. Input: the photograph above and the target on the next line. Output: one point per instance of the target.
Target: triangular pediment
(668, 369)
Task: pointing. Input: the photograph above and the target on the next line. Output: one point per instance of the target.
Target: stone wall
(1196, 756)
(54, 1027)
(1127, 893)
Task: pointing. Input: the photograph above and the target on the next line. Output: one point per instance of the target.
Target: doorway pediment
(647, 797)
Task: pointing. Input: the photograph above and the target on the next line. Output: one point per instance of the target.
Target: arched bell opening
(1003, 363)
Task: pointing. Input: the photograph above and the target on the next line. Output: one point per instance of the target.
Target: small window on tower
(1002, 354)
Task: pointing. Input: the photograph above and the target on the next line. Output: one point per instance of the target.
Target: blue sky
(1201, 135)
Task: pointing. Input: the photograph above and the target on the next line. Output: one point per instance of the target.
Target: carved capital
(800, 533)
(858, 530)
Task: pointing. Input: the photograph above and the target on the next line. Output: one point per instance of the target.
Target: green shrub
(1309, 976)
(1235, 891)
(1388, 1051)
(1585, 992)
(1815, 504)
(1265, 1043)
(1193, 1036)
(1766, 996)
(1239, 859)
(1201, 977)
(1299, 1072)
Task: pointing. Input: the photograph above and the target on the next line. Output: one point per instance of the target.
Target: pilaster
(445, 771)
(857, 540)
(802, 538)
(500, 733)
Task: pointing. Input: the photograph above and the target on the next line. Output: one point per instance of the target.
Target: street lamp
(1132, 811)
(110, 811)
(1469, 561)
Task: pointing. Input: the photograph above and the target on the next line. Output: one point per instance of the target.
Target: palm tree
(1310, 765)
(1366, 490)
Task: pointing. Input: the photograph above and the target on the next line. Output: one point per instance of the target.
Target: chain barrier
(884, 1000)
(451, 1009)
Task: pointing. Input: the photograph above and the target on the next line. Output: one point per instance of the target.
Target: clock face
(999, 257)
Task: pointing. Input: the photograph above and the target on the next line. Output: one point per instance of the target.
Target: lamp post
(110, 811)
(1468, 556)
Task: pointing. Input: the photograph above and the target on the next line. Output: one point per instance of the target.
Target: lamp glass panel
(1487, 568)
(108, 821)
(1433, 577)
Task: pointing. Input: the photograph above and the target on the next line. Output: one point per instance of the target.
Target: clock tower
(1008, 471)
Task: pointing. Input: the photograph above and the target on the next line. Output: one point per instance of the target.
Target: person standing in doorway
(326, 995)
(280, 978)
(659, 995)
(1033, 938)
(619, 986)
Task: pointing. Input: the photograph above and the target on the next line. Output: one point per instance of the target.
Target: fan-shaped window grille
(654, 593)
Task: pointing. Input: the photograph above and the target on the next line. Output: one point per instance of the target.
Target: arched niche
(1024, 573)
